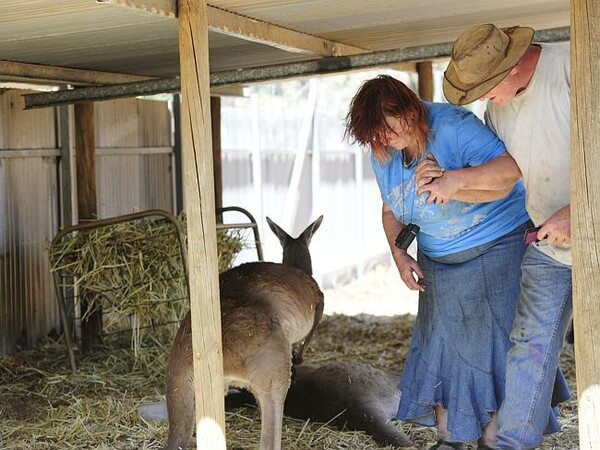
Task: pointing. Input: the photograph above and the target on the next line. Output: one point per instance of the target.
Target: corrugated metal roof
(86, 34)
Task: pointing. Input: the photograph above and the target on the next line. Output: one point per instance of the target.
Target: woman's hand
(435, 181)
(428, 170)
(409, 269)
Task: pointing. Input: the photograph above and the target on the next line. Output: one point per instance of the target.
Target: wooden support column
(66, 174)
(215, 114)
(201, 222)
(87, 210)
(585, 213)
(425, 71)
(177, 157)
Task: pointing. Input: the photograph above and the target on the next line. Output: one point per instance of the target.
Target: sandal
(445, 445)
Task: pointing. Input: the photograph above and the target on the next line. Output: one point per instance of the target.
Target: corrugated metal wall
(134, 163)
(134, 172)
(28, 220)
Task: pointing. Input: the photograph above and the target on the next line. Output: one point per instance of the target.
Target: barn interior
(73, 130)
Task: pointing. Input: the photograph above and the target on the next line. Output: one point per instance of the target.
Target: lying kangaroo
(265, 308)
(349, 395)
(352, 395)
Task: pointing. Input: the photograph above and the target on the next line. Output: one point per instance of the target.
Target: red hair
(380, 97)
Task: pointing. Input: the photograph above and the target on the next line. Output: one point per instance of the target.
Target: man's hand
(432, 179)
(557, 229)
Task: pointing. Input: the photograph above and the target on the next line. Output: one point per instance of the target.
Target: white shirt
(535, 126)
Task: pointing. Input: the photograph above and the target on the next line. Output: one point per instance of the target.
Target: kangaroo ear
(307, 234)
(281, 235)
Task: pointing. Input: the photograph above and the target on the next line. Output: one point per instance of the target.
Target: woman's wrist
(399, 255)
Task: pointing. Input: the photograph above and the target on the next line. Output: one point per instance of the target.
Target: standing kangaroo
(265, 308)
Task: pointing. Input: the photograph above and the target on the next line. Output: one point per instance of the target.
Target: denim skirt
(458, 349)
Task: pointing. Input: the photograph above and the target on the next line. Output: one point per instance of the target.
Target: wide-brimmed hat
(481, 58)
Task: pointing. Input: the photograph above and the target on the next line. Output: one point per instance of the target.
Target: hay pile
(44, 406)
(135, 272)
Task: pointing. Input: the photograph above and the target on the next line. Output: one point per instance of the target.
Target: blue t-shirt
(458, 139)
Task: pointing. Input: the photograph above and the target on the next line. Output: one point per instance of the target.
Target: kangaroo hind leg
(269, 377)
(180, 389)
(385, 433)
(298, 354)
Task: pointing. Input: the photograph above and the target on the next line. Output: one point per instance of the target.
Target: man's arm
(487, 182)
(475, 196)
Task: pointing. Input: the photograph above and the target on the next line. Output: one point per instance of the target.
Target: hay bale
(135, 272)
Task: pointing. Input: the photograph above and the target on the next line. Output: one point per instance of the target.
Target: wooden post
(91, 325)
(585, 213)
(66, 153)
(215, 114)
(177, 157)
(425, 71)
(201, 222)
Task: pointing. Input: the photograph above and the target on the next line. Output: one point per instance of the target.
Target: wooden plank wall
(134, 163)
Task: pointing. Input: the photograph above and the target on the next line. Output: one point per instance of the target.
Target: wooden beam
(585, 214)
(87, 210)
(167, 8)
(215, 114)
(425, 71)
(225, 22)
(39, 73)
(85, 161)
(249, 29)
(274, 72)
(202, 234)
(177, 156)
(66, 171)
(227, 91)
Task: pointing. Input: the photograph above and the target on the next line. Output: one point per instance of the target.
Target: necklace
(406, 163)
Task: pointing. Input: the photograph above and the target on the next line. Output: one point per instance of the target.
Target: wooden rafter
(249, 29)
(38, 76)
(42, 74)
(167, 8)
(221, 21)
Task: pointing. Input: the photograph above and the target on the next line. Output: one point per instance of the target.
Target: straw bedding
(45, 406)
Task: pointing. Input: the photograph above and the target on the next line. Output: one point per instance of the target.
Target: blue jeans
(533, 380)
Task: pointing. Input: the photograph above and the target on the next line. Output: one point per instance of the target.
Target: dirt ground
(380, 292)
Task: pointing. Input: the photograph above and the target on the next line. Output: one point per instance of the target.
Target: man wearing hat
(527, 86)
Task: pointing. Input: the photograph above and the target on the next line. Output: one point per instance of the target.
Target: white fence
(285, 156)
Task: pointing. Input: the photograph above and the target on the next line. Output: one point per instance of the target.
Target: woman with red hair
(446, 178)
